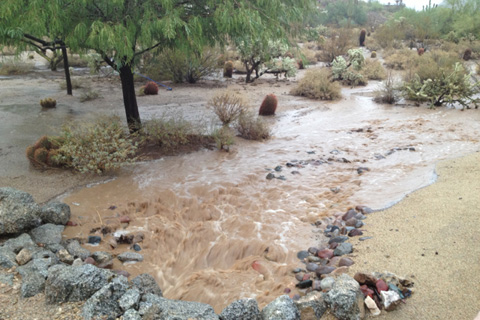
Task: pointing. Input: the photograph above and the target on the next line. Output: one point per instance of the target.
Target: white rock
(390, 299)
(372, 306)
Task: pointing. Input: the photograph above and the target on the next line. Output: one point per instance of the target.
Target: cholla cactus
(356, 58)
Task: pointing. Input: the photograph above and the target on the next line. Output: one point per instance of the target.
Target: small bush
(317, 84)
(373, 70)
(15, 68)
(399, 59)
(76, 84)
(308, 56)
(268, 106)
(96, 147)
(251, 127)
(78, 61)
(388, 93)
(223, 138)
(40, 155)
(228, 69)
(168, 133)
(89, 95)
(227, 106)
(151, 88)
(336, 45)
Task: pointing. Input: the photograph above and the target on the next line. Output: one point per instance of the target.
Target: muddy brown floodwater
(216, 230)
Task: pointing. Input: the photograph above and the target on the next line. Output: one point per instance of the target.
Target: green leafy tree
(121, 31)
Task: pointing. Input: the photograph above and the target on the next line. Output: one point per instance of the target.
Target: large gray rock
(145, 283)
(343, 248)
(104, 303)
(18, 211)
(69, 283)
(345, 299)
(77, 251)
(156, 307)
(130, 299)
(47, 234)
(7, 258)
(34, 273)
(131, 314)
(282, 308)
(32, 285)
(243, 309)
(311, 306)
(55, 213)
(16, 244)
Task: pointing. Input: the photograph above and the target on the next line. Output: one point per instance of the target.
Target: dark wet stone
(136, 247)
(304, 284)
(338, 239)
(94, 239)
(364, 278)
(361, 170)
(278, 168)
(295, 172)
(311, 152)
(282, 178)
(333, 245)
(297, 270)
(302, 254)
(270, 176)
(313, 250)
(359, 224)
(289, 164)
(351, 222)
(349, 214)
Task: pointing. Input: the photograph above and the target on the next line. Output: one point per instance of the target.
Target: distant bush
(400, 59)
(89, 95)
(251, 127)
(96, 147)
(76, 84)
(317, 84)
(228, 106)
(336, 45)
(15, 68)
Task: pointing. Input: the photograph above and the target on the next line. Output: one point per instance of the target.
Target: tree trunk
(129, 98)
(66, 67)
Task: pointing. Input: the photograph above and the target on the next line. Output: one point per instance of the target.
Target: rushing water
(216, 230)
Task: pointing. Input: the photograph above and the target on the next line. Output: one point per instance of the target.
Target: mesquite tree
(121, 31)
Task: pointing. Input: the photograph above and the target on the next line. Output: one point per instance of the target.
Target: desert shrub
(477, 69)
(15, 68)
(372, 45)
(48, 103)
(452, 36)
(181, 65)
(76, 84)
(317, 84)
(337, 44)
(251, 127)
(89, 95)
(151, 88)
(227, 106)
(308, 56)
(239, 67)
(78, 61)
(373, 70)
(228, 69)
(268, 106)
(399, 59)
(96, 147)
(167, 132)
(389, 91)
(448, 88)
(223, 138)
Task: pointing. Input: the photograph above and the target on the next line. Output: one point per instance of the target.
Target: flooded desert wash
(216, 230)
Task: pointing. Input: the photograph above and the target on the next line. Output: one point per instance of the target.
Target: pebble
(64, 256)
(313, 250)
(333, 245)
(287, 290)
(352, 222)
(278, 168)
(359, 224)
(316, 285)
(312, 266)
(125, 219)
(381, 285)
(24, 256)
(136, 247)
(313, 259)
(122, 273)
(364, 238)
(302, 254)
(306, 276)
(270, 176)
(304, 284)
(364, 278)
(355, 232)
(299, 276)
(325, 254)
(297, 270)
(367, 292)
(364, 209)
(339, 271)
(338, 239)
(347, 262)
(349, 214)
(327, 283)
(71, 224)
(390, 299)
(89, 260)
(282, 178)
(343, 248)
(361, 170)
(372, 306)
(324, 270)
(130, 257)
(94, 239)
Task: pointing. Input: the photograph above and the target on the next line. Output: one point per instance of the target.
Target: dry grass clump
(76, 84)
(168, 132)
(317, 84)
(389, 91)
(309, 56)
(339, 42)
(373, 70)
(252, 127)
(15, 68)
(228, 106)
(78, 61)
(239, 67)
(89, 95)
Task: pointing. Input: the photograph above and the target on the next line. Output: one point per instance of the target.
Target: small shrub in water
(48, 103)
(373, 70)
(268, 106)
(227, 106)
(316, 84)
(251, 127)
(223, 138)
(228, 69)
(388, 93)
(151, 88)
(168, 133)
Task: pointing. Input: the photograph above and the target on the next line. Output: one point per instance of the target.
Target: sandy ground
(431, 236)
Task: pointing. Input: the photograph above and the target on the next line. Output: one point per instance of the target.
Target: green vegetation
(251, 127)
(317, 84)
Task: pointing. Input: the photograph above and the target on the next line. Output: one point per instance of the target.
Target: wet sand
(432, 236)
